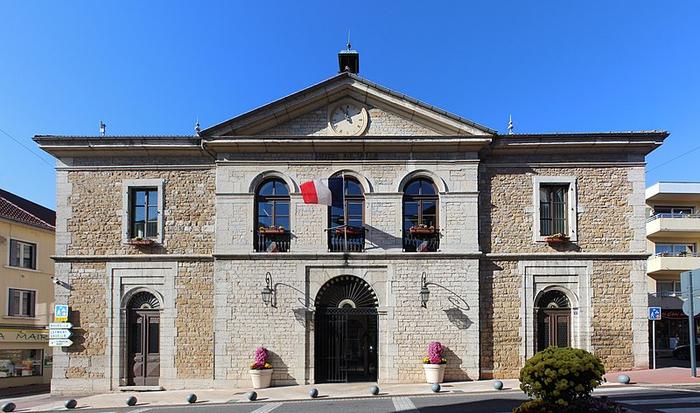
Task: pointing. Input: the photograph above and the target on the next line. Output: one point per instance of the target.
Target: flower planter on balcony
(422, 230)
(349, 231)
(271, 231)
(141, 242)
(557, 239)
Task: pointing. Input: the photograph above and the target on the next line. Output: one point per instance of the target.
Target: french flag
(323, 191)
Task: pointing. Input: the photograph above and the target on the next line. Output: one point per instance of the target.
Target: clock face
(348, 119)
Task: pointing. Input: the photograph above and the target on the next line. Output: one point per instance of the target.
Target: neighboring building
(673, 231)
(27, 234)
(185, 253)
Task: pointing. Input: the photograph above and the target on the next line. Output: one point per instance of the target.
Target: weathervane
(197, 129)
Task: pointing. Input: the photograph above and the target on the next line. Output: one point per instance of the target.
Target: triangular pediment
(307, 113)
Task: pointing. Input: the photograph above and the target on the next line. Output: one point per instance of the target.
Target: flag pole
(345, 214)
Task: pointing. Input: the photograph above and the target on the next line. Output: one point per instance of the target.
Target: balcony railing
(272, 241)
(421, 242)
(346, 239)
(676, 254)
(671, 215)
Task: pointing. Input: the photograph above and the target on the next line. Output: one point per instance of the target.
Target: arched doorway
(143, 340)
(553, 320)
(346, 331)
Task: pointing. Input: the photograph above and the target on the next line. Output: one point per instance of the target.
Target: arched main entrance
(346, 331)
(143, 340)
(553, 320)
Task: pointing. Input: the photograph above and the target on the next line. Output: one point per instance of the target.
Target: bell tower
(348, 59)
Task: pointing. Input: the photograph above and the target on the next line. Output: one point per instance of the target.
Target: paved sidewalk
(667, 375)
(272, 394)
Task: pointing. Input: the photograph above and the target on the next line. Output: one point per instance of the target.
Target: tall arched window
(420, 216)
(346, 231)
(272, 216)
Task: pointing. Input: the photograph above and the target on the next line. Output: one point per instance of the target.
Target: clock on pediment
(347, 118)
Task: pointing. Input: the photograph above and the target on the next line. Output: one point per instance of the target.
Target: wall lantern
(424, 291)
(267, 292)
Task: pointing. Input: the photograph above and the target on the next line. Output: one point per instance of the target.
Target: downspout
(204, 149)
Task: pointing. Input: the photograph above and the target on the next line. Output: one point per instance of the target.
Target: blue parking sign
(61, 312)
(654, 313)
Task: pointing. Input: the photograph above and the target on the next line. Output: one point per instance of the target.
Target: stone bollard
(70, 404)
(313, 393)
(8, 407)
(623, 378)
(131, 401)
(498, 385)
(251, 395)
(435, 388)
(192, 398)
(374, 390)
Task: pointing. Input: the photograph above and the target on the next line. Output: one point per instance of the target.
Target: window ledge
(12, 267)
(21, 317)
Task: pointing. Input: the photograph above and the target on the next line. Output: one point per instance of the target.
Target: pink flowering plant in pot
(434, 363)
(261, 369)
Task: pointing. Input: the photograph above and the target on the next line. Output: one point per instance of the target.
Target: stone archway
(347, 333)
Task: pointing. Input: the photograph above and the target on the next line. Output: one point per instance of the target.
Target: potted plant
(261, 369)
(422, 229)
(350, 231)
(142, 242)
(557, 238)
(434, 363)
(271, 230)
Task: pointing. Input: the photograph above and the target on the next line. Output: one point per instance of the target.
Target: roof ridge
(27, 212)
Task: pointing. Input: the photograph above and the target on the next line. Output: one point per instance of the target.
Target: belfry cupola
(348, 60)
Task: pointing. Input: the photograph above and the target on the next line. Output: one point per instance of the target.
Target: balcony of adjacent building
(675, 224)
(673, 259)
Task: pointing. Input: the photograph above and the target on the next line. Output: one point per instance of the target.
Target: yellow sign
(24, 336)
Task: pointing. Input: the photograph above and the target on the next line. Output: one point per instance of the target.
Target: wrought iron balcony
(421, 241)
(346, 239)
(270, 240)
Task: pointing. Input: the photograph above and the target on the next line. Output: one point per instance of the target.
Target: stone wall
(95, 223)
(607, 200)
(194, 304)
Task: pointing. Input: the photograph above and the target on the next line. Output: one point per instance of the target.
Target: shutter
(32, 303)
(14, 253)
(14, 302)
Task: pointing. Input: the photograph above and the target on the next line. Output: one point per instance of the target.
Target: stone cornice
(349, 256)
(641, 142)
(132, 257)
(516, 256)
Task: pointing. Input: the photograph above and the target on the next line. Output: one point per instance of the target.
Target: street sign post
(654, 316)
(688, 280)
(60, 342)
(60, 333)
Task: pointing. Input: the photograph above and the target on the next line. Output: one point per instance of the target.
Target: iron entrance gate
(346, 344)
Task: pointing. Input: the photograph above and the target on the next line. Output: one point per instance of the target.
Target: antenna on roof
(103, 129)
(510, 124)
(349, 45)
(197, 129)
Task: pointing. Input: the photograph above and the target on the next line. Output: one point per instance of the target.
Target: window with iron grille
(553, 209)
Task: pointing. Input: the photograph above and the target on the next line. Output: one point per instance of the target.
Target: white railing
(671, 215)
(676, 254)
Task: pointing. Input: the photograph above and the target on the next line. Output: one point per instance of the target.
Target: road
(636, 399)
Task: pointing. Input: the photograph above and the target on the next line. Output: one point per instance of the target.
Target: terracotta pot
(434, 373)
(142, 242)
(261, 378)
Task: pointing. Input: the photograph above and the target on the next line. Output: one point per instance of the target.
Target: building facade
(673, 233)
(186, 253)
(26, 291)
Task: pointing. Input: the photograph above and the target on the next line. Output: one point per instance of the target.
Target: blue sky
(154, 67)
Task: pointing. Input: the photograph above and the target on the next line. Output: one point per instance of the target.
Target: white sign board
(689, 278)
(60, 326)
(60, 334)
(696, 306)
(60, 342)
(654, 313)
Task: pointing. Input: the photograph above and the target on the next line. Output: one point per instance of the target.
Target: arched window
(420, 216)
(553, 320)
(272, 216)
(346, 231)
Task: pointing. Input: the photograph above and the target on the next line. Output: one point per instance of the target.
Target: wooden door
(144, 348)
(553, 328)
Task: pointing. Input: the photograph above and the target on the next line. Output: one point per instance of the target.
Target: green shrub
(560, 375)
(582, 405)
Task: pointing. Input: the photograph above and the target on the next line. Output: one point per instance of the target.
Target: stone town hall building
(166, 243)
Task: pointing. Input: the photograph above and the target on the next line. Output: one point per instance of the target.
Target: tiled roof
(24, 211)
